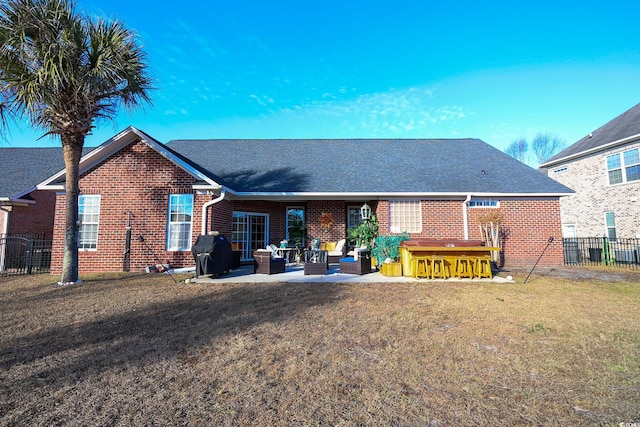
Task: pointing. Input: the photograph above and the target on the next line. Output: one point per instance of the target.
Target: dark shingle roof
(21, 169)
(364, 166)
(625, 125)
(24, 168)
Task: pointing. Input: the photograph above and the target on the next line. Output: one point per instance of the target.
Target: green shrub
(388, 246)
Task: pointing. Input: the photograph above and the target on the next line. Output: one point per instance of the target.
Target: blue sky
(404, 69)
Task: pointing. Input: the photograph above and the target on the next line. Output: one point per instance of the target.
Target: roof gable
(115, 144)
(620, 130)
(364, 166)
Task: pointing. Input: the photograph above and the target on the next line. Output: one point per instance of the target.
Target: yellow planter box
(392, 269)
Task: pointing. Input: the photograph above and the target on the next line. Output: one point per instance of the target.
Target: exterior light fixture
(365, 212)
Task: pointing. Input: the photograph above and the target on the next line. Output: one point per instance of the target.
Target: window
(569, 231)
(405, 215)
(89, 216)
(483, 203)
(624, 167)
(614, 169)
(179, 224)
(632, 164)
(610, 221)
(353, 216)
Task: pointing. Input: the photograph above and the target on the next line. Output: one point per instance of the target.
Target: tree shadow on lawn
(157, 332)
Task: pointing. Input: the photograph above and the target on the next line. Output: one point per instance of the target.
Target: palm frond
(64, 71)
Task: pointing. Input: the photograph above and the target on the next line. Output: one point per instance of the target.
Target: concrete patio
(295, 273)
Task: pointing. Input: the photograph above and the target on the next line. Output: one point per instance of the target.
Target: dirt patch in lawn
(141, 350)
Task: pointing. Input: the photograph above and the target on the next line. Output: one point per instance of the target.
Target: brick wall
(220, 218)
(337, 231)
(594, 196)
(526, 227)
(136, 180)
(277, 216)
(34, 218)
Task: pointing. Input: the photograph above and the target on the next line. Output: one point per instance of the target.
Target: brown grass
(141, 350)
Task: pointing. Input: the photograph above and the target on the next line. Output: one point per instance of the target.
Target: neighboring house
(251, 190)
(604, 170)
(25, 210)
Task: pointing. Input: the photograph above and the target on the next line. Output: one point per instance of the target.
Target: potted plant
(387, 253)
(365, 234)
(353, 236)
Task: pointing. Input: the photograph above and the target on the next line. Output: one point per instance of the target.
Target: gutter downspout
(465, 217)
(206, 206)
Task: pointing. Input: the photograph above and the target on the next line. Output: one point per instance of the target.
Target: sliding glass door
(250, 232)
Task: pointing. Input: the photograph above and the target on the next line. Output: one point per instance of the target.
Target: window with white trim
(405, 216)
(569, 231)
(89, 218)
(624, 167)
(483, 203)
(179, 222)
(610, 221)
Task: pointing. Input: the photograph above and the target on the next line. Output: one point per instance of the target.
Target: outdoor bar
(450, 249)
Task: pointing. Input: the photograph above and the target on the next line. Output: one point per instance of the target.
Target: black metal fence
(602, 251)
(24, 254)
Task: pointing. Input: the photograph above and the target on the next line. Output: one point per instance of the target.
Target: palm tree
(62, 71)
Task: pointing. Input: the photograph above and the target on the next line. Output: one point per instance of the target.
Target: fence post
(3, 245)
(29, 255)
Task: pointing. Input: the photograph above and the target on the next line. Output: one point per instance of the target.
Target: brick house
(604, 170)
(24, 209)
(250, 190)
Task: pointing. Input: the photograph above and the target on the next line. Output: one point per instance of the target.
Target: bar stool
(418, 261)
(438, 267)
(463, 267)
(482, 267)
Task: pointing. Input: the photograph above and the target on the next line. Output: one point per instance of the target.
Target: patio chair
(361, 266)
(316, 262)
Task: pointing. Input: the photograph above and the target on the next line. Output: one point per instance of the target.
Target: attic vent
(564, 169)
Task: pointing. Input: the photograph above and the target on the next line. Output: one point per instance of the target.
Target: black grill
(212, 254)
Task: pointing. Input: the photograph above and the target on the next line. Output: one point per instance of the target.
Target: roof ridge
(618, 129)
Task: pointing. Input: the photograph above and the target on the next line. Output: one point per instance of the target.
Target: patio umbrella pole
(155, 256)
(539, 258)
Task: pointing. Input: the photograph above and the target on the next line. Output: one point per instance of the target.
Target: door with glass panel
(250, 232)
(296, 229)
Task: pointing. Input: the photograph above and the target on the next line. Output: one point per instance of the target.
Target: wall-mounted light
(365, 212)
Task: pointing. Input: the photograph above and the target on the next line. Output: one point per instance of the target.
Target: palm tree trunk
(72, 152)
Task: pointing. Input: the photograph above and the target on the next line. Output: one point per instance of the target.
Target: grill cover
(212, 254)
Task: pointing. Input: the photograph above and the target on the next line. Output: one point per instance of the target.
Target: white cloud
(381, 114)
